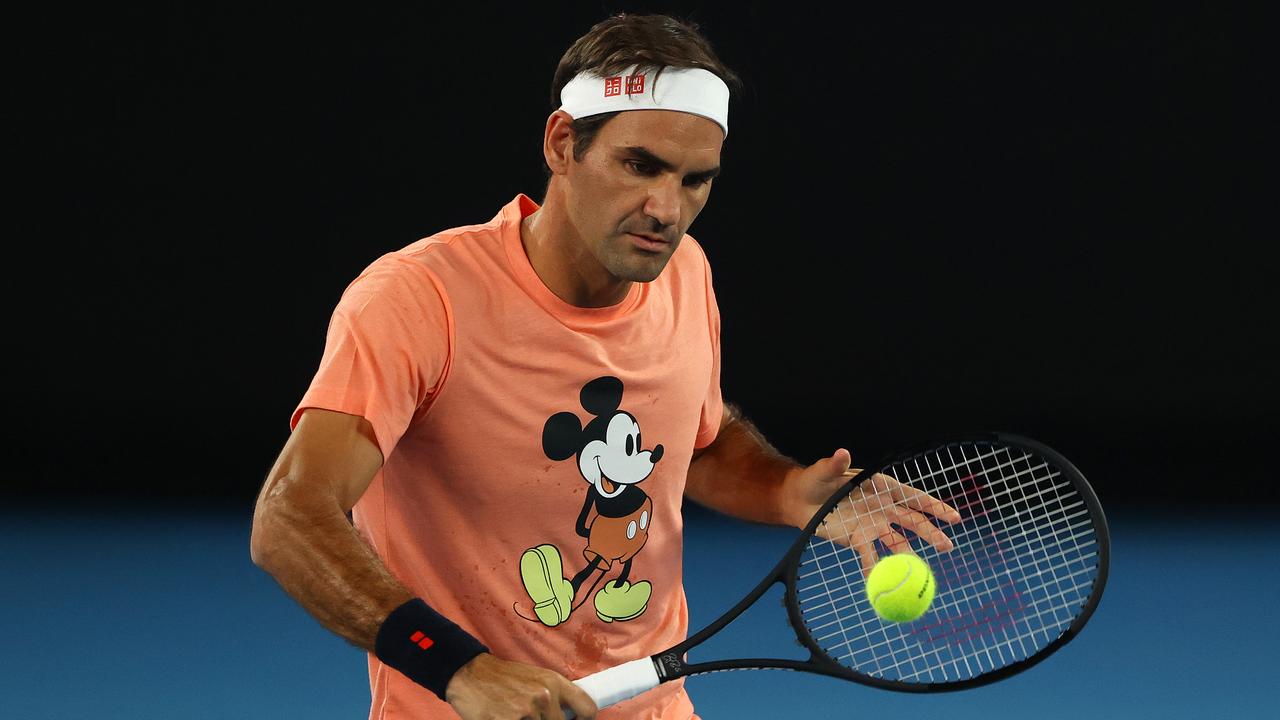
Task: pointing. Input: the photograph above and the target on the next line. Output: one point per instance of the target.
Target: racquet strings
(1024, 565)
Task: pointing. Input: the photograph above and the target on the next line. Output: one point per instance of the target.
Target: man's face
(648, 172)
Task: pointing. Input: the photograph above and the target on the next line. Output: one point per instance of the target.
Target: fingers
(868, 555)
(577, 700)
(924, 502)
(546, 706)
(885, 501)
(917, 523)
(895, 542)
(898, 493)
(876, 508)
(489, 687)
(855, 537)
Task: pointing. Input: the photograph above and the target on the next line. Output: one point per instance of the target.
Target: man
(513, 412)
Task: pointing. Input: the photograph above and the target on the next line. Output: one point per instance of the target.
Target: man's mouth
(651, 243)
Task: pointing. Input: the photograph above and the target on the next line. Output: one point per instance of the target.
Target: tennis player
(512, 412)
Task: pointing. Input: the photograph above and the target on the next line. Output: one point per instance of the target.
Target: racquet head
(1027, 568)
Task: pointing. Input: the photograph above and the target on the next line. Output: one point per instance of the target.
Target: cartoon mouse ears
(562, 434)
(602, 395)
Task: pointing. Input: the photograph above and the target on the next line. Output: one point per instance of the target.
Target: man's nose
(664, 202)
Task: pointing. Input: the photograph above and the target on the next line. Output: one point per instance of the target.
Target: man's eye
(640, 167)
(699, 182)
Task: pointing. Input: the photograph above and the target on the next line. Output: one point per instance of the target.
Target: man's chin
(643, 266)
(644, 272)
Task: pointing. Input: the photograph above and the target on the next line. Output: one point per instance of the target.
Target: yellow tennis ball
(900, 587)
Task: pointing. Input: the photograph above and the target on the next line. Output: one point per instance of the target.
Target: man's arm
(742, 475)
(302, 537)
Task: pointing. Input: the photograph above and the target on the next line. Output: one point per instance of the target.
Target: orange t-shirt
(474, 376)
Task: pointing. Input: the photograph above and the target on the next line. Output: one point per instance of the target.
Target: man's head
(642, 172)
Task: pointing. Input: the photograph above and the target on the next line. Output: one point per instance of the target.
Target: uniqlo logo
(612, 86)
(635, 85)
(423, 641)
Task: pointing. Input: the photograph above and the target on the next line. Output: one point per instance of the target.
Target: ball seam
(895, 588)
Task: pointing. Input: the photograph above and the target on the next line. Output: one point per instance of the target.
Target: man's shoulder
(435, 258)
(694, 250)
(418, 276)
(462, 240)
(689, 263)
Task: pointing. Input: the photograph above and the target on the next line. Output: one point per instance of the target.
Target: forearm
(309, 547)
(740, 473)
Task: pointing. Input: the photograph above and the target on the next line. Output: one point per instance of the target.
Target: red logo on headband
(613, 85)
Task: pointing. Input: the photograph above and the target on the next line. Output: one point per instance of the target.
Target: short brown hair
(650, 42)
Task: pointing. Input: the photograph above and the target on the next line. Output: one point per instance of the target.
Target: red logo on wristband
(423, 641)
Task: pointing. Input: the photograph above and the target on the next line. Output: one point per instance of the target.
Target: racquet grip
(618, 683)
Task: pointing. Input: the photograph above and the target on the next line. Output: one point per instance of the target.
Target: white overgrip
(619, 683)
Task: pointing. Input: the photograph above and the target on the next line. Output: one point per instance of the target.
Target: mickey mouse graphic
(615, 515)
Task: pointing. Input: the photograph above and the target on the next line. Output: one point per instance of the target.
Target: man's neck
(562, 261)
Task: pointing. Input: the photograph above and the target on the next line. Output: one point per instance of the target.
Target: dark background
(1045, 223)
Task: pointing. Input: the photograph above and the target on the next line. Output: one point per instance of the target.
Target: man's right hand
(489, 688)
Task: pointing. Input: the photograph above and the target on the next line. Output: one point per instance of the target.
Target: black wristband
(424, 645)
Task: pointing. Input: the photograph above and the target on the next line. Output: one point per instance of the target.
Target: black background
(1045, 223)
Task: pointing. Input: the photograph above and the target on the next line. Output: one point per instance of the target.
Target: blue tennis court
(161, 614)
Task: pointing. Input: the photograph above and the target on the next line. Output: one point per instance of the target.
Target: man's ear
(557, 142)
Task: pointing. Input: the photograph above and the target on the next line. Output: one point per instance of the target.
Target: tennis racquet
(1026, 572)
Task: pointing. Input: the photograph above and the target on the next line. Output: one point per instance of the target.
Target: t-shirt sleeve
(387, 350)
(713, 403)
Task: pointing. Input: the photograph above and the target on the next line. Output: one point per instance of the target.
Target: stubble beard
(626, 262)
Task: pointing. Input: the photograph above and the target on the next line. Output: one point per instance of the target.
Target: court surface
(161, 614)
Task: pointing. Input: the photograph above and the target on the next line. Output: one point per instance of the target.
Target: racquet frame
(671, 665)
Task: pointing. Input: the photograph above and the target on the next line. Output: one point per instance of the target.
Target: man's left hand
(878, 504)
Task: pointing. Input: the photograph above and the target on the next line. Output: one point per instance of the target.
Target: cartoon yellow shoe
(623, 603)
(543, 577)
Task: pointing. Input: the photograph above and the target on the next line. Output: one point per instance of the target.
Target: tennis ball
(900, 587)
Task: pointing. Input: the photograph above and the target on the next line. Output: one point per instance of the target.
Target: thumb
(834, 467)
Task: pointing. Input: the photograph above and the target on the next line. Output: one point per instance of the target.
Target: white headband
(691, 90)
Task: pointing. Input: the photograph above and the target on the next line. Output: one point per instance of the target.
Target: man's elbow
(259, 541)
(264, 538)
(286, 517)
